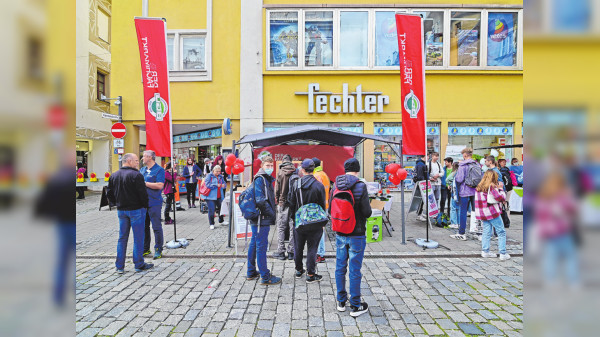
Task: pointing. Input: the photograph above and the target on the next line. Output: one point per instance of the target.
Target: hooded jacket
(286, 169)
(420, 170)
(461, 175)
(312, 190)
(264, 196)
(322, 177)
(362, 206)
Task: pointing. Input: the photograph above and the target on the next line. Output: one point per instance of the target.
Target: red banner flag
(152, 41)
(412, 79)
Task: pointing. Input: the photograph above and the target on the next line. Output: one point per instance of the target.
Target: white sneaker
(461, 237)
(504, 257)
(421, 218)
(453, 226)
(479, 238)
(212, 226)
(487, 254)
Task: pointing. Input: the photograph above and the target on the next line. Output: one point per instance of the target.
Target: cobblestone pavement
(454, 294)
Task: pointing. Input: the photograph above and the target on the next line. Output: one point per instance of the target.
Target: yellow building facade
(258, 71)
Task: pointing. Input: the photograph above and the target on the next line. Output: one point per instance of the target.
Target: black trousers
(312, 240)
(191, 193)
(170, 199)
(445, 198)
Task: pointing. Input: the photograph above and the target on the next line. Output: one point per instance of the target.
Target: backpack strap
(299, 189)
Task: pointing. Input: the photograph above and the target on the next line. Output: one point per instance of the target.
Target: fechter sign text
(358, 101)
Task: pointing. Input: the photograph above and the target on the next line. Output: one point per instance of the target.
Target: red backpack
(343, 219)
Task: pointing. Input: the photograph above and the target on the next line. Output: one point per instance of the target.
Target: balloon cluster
(233, 165)
(397, 173)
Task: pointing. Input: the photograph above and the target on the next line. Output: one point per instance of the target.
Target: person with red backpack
(349, 208)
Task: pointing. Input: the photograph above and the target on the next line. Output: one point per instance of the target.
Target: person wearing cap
(322, 177)
(351, 247)
(308, 190)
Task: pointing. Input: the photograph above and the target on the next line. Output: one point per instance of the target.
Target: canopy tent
(323, 135)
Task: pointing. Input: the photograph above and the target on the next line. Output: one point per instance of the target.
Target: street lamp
(118, 102)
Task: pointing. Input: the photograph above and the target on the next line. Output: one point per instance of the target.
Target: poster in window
(502, 48)
(433, 30)
(386, 41)
(464, 39)
(318, 37)
(284, 39)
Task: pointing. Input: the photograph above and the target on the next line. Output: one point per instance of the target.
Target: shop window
(283, 31)
(354, 39)
(35, 59)
(318, 38)
(188, 55)
(502, 39)
(386, 40)
(101, 85)
(433, 30)
(103, 25)
(479, 135)
(465, 33)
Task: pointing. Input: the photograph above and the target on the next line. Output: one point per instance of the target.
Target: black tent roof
(325, 135)
(500, 147)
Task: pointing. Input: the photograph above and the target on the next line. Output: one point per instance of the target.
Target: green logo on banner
(158, 107)
(412, 105)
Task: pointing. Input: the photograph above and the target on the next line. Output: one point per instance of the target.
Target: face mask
(269, 171)
(485, 168)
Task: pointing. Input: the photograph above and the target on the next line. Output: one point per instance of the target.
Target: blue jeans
(153, 216)
(562, 246)
(321, 250)
(65, 260)
(454, 211)
(134, 220)
(257, 252)
(498, 225)
(212, 204)
(465, 202)
(349, 248)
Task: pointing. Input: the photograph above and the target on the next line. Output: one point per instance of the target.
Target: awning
(324, 135)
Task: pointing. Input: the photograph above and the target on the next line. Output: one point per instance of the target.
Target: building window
(283, 31)
(188, 55)
(386, 40)
(318, 38)
(103, 25)
(35, 69)
(354, 39)
(502, 39)
(433, 31)
(465, 33)
(100, 85)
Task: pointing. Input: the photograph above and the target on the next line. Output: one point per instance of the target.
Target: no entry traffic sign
(118, 130)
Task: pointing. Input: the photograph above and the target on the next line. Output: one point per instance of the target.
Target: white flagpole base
(426, 244)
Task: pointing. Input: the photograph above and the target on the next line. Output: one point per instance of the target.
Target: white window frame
(339, 33)
(300, 40)
(335, 37)
(178, 74)
(482, 47)
(519, 62)
(446, 38)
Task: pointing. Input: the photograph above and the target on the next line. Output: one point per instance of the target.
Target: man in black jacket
(312, 192)
(127, 189)
(264, 196)
(351, 247)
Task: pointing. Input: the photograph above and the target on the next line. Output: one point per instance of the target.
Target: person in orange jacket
(322, 177)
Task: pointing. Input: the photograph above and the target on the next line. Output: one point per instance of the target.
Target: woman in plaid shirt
(489, 214)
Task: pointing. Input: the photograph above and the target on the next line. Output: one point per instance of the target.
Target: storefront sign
(480, 131)
(206, 134)
(412, 83)
(151, 34)
(397, 131)
(347, 102)
(356, 129)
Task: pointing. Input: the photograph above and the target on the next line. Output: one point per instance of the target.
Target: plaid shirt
(485, 211)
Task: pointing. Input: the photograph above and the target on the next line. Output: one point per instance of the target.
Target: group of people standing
(278, 200)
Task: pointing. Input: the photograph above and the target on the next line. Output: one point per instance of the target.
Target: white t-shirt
(436, 168)
(191, 170)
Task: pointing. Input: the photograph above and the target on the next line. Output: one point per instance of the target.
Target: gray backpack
(474, 175)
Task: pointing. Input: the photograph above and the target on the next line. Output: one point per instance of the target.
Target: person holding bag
(489, 196)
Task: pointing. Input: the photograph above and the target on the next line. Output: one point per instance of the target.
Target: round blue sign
(227, 126)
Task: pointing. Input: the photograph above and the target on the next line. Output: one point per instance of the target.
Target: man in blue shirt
(154, 176)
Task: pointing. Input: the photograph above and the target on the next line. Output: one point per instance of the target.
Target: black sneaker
(357, 311)
(253, 277)
(146, 266)
(341, 306)
(314, 278)
(279, 256)
(300, 273)
(271, 281)
(290, 256)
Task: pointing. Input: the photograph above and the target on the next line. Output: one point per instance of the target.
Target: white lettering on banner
(151, 75)
(407, 64)
(359, 101)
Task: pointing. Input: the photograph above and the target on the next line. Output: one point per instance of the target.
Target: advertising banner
(241, 230)
(502, 42)
(433, 208)
(332, 157)
(412, 83)
(152, 41)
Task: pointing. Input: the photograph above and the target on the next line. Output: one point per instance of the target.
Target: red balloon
(240, 161)
(238, 168)
(394, 179)
(392, 168)
(228, 169)
(230, 160)
(401, 173)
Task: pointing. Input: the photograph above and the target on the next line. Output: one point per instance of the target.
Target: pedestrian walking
(351, 246)
(284, 220)
(488, 198)
(264, 197)
(307, 190)
(323, 178)
(454, 201)
(446, 197)
(214, 181)
(154, 176)
(127, 189)
(191, 172)
(169, 191)
(467, 178)
(219, 161)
